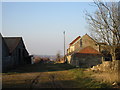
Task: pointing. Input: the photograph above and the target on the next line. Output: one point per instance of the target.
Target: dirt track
(48, 76)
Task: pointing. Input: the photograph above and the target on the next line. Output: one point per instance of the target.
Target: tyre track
(54, 79)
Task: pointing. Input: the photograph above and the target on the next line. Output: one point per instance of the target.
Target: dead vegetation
(72, 78)
(106, 77)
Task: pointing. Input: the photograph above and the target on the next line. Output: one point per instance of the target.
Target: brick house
(14, 53)
(85, 52)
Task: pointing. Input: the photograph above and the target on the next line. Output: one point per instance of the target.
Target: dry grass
(25, 77)
(25, 80)
(49, 76)
(18, 80)
(106, 77)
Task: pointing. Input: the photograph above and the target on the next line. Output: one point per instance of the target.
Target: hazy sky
(41, 24)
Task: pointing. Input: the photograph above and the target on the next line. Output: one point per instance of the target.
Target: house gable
(12, 42)
(4, 48)
(86, 41)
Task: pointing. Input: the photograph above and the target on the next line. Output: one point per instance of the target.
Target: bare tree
(104, 25)
(58, 56)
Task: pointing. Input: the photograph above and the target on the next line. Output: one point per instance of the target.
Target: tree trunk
(113, 54)
(113, 57)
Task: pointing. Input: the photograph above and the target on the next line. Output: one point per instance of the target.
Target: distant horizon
(44, 55)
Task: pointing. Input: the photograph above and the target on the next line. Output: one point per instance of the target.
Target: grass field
(50, 76)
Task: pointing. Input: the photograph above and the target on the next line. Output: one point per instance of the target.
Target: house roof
(85, 55)
(100, 43)
(12, 42)
(74, 40)
(89, 50)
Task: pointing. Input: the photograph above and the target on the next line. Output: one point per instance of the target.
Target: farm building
(14, 53)
(87, 57)
(85, 52)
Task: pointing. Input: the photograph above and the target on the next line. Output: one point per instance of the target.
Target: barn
(14, 53)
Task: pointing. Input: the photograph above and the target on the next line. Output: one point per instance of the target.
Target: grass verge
(83, 80)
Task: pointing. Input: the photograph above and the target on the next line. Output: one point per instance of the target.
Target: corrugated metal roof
(12, 42)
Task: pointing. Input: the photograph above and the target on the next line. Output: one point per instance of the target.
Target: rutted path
(37, 76)
(48, 76)
(53, 79)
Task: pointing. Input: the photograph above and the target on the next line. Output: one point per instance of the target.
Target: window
(96, 44)
(10, 54)
(80, 42)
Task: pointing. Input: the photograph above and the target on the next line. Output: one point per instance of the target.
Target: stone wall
(88, 41)
(108, 67)
(69, 58)
(77, 45)
(85, 60)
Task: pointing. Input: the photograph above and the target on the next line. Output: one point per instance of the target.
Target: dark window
(10, 54)
(80, 42)
(107, 55)
(117, 51)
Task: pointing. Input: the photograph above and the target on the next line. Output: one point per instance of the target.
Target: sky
(41, 24)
